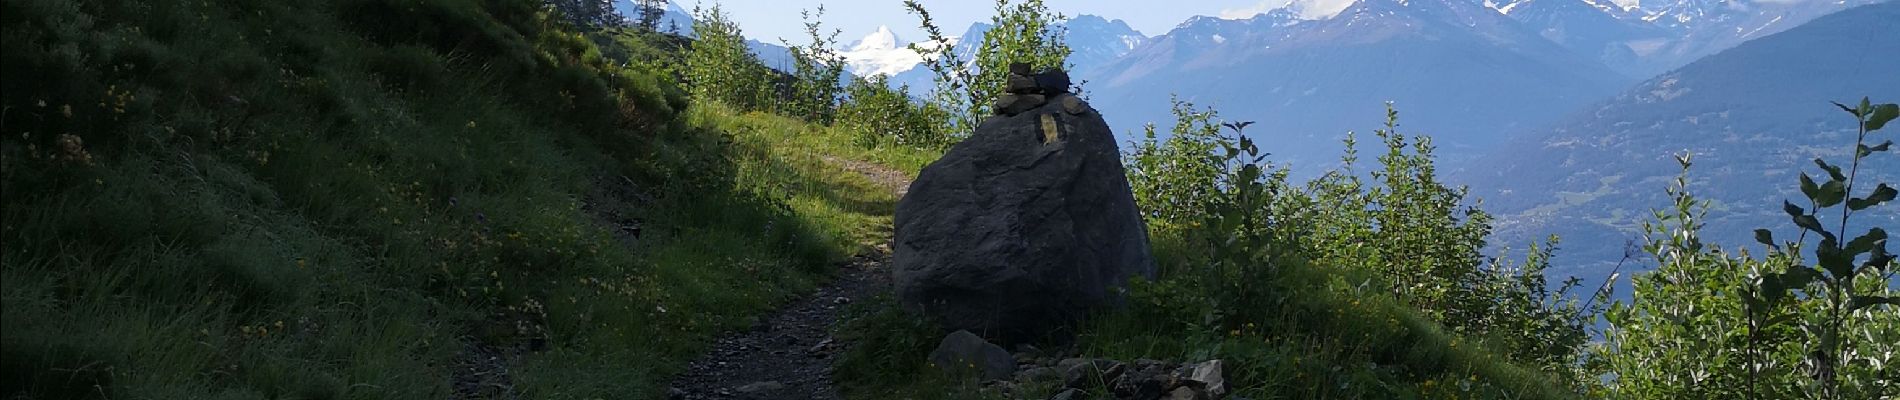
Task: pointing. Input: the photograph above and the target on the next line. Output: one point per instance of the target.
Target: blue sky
(768, 20)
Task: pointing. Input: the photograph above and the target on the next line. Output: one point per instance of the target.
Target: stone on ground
(962, 350)
(1024, 228)
(1207, 376)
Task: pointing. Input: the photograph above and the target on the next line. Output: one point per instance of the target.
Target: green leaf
(1779, 319)
(1860, 302)
(1880, 260)
(1865, 150)
(1881, 115)
(1773, 287)
(1808, 187)
(1844, 107)
(1832, 171)
(1808, 222)
(1792, 210)
(1831, 193)
(1799, 276)
(1881, 194)
(1836, 262)
(1765, 237)
(1866, 242)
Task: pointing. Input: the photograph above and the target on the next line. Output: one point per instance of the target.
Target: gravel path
(788, 354)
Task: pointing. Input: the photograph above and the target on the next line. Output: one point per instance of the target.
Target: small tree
(1023, 33)
(588, 14)
(720, 67)
(818, 67)
(649, 13)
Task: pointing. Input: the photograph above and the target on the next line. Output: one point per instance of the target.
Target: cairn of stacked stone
(1027, 226)
(1025, 90)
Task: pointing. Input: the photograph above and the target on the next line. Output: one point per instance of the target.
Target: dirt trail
(788, 353)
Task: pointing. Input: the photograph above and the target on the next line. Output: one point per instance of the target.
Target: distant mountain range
(1461, 72)
(1647, 39)
(1754, 116)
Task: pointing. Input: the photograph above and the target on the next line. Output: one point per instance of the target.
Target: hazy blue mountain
(1457, 70)
(1591, 28)
(1094, 41)
(1704, 27)
(1754, 116)
(1653, 37)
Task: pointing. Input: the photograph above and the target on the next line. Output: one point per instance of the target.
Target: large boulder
(1025, 227)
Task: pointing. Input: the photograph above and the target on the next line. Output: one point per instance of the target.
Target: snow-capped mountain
(1591, 28)
(1092, 40)
(880, 53)
(1649, 38)
(1456, 70)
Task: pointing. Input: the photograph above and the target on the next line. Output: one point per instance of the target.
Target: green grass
(1327, 337)
(336, 199)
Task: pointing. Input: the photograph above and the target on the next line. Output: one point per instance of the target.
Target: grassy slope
(338, 199)
(396, 190)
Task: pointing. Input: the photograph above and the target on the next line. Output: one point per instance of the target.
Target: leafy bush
(719, 66)
(1233, 233)
(1710, 324)
(880, 116)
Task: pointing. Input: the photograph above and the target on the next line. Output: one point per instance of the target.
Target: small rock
(1005, 103)
(1028, 348)
(1012, 104)
(1184, 393)
(1147, 380)
(841, 300)
(1038, 374)
(675, 393)
(1073, 105)
(1069, 394)
(1006, 388)
(1091, 373)
(962, 349)
(1052, 82)
(757, 388)
(821, 347)
(1207, 376)
(1020, 84)
(1019, 68)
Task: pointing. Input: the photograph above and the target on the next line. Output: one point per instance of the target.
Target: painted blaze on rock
(1025, 227)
